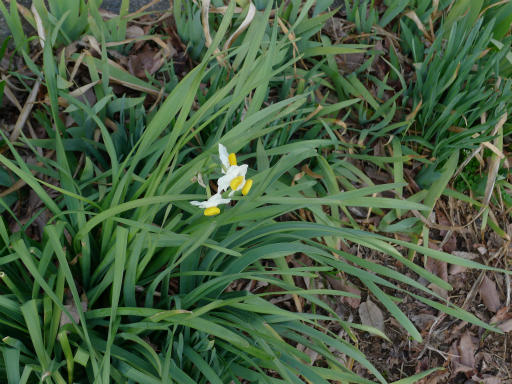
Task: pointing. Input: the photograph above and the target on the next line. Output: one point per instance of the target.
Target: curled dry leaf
(489, 294)
(371, 314)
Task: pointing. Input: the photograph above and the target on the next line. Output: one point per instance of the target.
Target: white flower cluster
(233, 177)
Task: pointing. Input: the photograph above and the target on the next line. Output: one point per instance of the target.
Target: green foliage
(363, 14)
(130, 282)
(3, 47)
(111, 30)
(65, 21)
(470, 177)
(13, 20)
(187, 16)
(457, 83)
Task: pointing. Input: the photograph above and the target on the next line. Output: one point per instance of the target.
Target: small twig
(445, 239)
(10, 95)
(25, 111)
(507, 284)
(143, 8)
(443, 354)
(291, 37)
(472, 293)
(430, 332)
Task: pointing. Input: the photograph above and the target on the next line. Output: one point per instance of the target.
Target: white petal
(224, 181)
(218, 199)
(211, 202)
(200, 204)
(224, 156)
(242, 170)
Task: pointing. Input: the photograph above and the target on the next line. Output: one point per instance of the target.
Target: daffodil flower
(234, 174)
(233, 177)
(210, 205)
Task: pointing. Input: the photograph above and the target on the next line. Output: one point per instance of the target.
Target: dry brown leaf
(435, 378)
(371, 314)
(489, 294)
(64, 319)
(450, 244)
(423, 320)
(144, 61)
(461, 368)
(502, 315)
(437, 289)
(310, 173)
(455, 269)
(345, 285)
(25, 112)
(245, 24)
(440, 269)
(297, 177)
(506, 326)
(352, 301)
(350, 62)
(437, 267)
(412, 115)
(467, 350)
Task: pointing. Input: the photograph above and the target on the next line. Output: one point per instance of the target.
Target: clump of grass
(457, 83)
